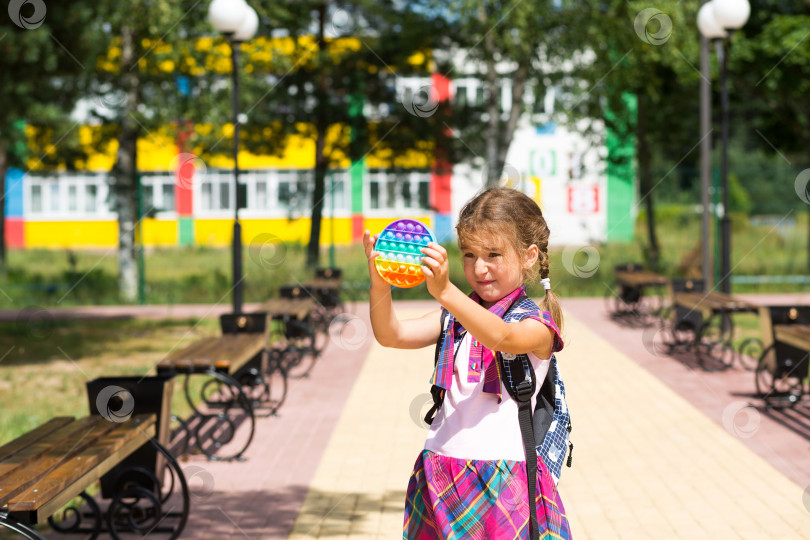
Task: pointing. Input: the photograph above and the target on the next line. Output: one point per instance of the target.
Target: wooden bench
(712, 313)
(304, 328)
(45, 469)
(630, 297)
(782, 369)
(224, 420)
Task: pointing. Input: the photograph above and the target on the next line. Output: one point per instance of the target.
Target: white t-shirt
(473, 425)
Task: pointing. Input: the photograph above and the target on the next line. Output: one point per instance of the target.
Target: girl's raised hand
(377, 281)
(436, 268)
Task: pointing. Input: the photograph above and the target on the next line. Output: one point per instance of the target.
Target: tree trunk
(494, 167)
(645, 177)
(491, 96)
(124, 175)
(314, 247)
(321, 162)
(516, 110)
(3, 157)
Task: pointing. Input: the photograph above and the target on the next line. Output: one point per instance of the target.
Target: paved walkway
(662, 450)
(647, 463)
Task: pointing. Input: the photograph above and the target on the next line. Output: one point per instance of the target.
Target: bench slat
(297, 308)
(36, 461)
(11, 448)
(229, 351)
(797, 335)
(87, 466)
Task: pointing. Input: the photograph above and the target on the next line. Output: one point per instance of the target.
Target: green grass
(44, 367)
(203, 275)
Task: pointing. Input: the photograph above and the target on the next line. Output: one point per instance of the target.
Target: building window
(147, 197)
(261, 195)
(36, 199)
(479, 95)
(90, 196)
(206, 199)
(374, 194)
(424, 195)
(168, 198)
(335, 189)
(224, 196)
(73, 199)
(461, 96)
(406, 193)
(55, 200)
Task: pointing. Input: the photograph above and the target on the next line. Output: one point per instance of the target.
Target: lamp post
(238, 22)
(717, 19)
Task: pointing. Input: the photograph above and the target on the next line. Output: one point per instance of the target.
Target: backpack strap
(522, 393)
(437, 392)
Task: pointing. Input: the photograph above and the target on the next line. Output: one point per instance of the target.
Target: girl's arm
(388, 330)
(528, 335)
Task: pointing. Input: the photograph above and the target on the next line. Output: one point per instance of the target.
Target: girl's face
(493, 269)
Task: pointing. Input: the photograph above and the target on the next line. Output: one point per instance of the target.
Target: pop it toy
(399, 258)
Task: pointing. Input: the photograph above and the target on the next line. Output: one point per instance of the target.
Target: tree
(337, 60)
(138, 50)
(770, 63)
(35, 46)
(639, 62)
(514, 40)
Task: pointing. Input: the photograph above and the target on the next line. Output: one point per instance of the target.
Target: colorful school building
(192, 202)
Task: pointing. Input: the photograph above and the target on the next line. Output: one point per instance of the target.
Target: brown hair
(511, 215)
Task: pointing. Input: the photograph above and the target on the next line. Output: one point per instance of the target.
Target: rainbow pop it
(399, 260)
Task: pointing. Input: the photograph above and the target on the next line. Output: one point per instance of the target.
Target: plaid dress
(450, 498)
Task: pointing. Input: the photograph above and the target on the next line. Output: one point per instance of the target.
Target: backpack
(547, 430)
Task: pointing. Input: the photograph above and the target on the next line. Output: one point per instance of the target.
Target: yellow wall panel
(255, 231)
(75, 234)
(159, 232)
(213, 232)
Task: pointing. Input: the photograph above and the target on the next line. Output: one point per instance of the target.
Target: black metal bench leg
(72, 519)
(141, 501)
(222, 426)
(23, 530)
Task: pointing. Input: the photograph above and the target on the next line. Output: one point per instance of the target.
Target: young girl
(470, 480)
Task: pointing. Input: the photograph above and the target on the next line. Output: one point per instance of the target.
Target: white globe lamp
(707, 24)
(731, 14)
(250, 23)
(227, 16)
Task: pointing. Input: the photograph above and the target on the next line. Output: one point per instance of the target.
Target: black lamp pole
(725, 221)
(237, 227)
